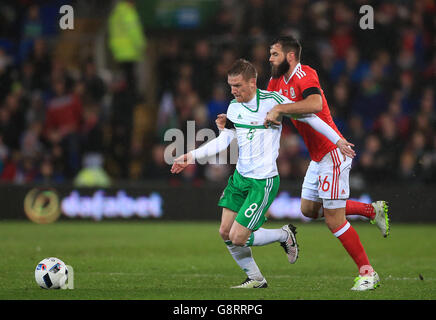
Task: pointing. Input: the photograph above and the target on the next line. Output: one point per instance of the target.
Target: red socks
(351, 242)
(353, 208)
(359, 208)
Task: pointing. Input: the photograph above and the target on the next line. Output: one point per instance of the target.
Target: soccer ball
(51, 273)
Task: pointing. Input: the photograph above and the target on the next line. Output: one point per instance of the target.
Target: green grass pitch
(147, 260)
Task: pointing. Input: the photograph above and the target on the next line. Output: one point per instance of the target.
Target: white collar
(253, 102)
(293, 72)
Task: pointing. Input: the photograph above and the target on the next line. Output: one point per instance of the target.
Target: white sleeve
(319, 125)
(214, 146)
(286, 99)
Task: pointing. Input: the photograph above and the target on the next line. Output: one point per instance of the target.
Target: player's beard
(281, 69)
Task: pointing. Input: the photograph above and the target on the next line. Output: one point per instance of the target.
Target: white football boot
(381, 219)
(363, 283)
(252, 284)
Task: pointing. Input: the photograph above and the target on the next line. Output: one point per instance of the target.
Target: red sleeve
(309, 80)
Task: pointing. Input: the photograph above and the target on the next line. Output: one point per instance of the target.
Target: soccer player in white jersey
(255, 183)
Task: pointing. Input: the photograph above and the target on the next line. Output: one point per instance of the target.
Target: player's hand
(273, 117)
(181, 163)
(221, 121)
(346, 148)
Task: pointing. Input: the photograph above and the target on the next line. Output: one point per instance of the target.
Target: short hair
(244, 68)
(289, 43)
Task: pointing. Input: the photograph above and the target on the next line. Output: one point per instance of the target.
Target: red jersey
(303, 82)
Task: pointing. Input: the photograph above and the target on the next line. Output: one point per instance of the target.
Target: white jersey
(258, 146)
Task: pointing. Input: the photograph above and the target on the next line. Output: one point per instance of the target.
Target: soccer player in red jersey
(325, 189)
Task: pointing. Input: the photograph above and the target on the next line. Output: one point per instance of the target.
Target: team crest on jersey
(292, 91)
(285, 92)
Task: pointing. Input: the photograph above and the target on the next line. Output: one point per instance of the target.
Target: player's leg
(311, 209)
(252, 216)
(262, 236)
(241, 254)
(244, 257)
(285, 236)
(335, 219)
(239, 234)
(311, 205)
(342, 229)
(246, 230)
(243, 236)
(231, 200)
(377, 213)
(227, 219)
(380, 208)
(334, 190)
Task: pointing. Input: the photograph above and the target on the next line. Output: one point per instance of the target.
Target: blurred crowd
(380, 85)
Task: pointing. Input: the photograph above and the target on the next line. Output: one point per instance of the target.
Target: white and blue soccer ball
(51, 273)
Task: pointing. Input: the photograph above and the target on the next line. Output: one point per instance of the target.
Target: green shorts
(250, 198)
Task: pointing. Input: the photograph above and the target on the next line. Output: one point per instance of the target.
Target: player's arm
(319, 125)
(275, 117)
(207, 150)
(312, 103)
